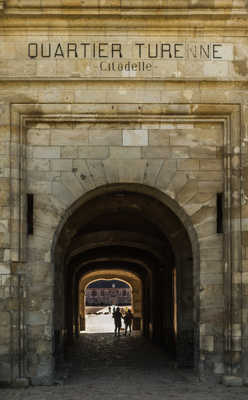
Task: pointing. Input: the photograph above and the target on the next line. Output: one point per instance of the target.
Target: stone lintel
(101, 5)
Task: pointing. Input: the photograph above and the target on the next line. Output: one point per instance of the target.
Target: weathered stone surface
(187, 192)
(154, 152)
(209, 165)
(45, 152)
(123, 153)
(21, 383)
(38, 137)
(64, 195)
(207, 343)
(152, 168)
(158, 137)
(188, 165)
(232, 380)
(166, 174)
(5, 371)
(69, 152)
(137, 137)
(61, 165)
(39, 165)
(69, 137)
(5, 269)
(93, 152)
(82, 111)
(105, 137)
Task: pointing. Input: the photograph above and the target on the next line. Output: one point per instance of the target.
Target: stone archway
(178, 177)
(128, 277)
(133, 228)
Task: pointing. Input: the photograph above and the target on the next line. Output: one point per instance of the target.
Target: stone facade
(112, 296)
(134, 294)
(151, 100)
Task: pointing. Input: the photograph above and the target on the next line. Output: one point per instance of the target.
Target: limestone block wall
(67, 149)
(183, 159)
(12, 327)
(69, 124)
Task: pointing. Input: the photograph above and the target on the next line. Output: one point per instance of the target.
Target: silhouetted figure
(109, 310)
(128, 322)
(117, 318)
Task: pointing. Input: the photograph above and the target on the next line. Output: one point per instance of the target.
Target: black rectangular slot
(30, 213)
(219, 204)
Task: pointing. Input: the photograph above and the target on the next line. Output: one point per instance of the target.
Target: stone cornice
(99, 5)
(175, 24)
(186, 16)
(123, 7)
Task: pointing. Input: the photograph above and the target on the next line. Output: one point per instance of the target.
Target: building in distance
(104, 293)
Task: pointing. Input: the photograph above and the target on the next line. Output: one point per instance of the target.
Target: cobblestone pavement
(101, 366)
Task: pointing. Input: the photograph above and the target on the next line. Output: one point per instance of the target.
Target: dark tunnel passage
(126, 228)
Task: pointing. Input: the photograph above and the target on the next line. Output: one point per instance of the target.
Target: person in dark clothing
(117, 319)
(128, 322)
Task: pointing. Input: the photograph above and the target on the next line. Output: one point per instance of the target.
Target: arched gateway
(119, 202)
(134, 232)
(123, 143)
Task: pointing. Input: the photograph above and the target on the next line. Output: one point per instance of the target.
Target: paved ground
(99, 323)
(101, 366)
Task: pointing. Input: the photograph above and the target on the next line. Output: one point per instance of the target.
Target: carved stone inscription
(134, 56)
(101, 57)
(139, 49)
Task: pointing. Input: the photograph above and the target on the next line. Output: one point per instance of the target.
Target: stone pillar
(244, 226)
(233, 257)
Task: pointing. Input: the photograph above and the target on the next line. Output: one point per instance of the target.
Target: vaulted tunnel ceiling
(124, 229)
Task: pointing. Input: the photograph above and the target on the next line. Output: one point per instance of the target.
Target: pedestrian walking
(117, 319)
(128, 319)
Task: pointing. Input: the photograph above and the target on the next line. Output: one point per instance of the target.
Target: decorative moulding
(21, 114)
(121, 6)
(179, 16)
